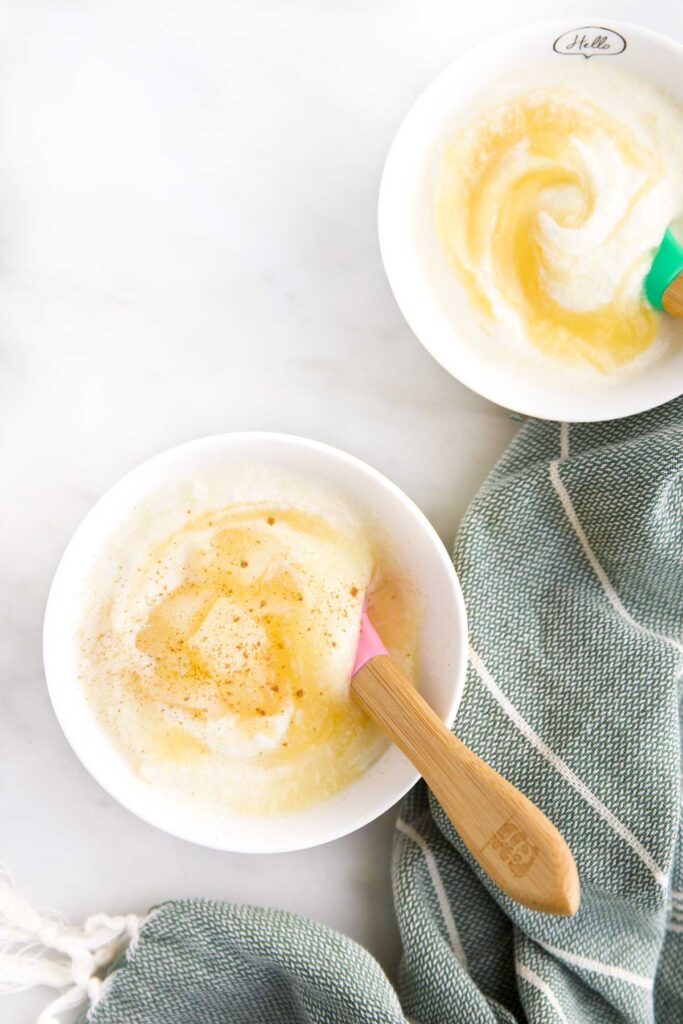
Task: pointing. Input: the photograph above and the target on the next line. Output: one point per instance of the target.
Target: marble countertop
(188, 246)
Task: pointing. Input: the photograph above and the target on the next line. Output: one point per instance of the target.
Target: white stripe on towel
(564, 441)
(608, 970)
(439, 889)
(610, 592)
(564, 770)
(533, 979)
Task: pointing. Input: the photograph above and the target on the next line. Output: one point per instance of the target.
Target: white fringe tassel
(41, 949)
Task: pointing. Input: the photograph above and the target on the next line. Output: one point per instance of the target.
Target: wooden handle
(512, 840)
(672, 299)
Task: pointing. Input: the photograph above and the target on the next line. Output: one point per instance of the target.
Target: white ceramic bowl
(442, 324)
(443, 641)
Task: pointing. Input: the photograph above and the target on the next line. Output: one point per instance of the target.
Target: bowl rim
(64, 701)
(535, 402)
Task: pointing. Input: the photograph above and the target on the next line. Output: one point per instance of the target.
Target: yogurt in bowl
(519, 212)
(201, 629)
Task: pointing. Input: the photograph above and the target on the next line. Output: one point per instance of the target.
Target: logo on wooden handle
(590, 41)
(514, 848)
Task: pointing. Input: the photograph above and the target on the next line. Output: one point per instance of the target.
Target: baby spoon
(509, 837)
(664, 282)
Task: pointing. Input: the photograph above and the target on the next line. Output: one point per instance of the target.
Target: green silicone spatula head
(664, 282)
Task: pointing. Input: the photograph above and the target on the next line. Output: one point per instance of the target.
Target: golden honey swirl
(223, 663)
(547, 208)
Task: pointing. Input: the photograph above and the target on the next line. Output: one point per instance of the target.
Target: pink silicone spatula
(509, 837)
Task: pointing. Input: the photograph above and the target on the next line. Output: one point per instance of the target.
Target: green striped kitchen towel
(571, 560)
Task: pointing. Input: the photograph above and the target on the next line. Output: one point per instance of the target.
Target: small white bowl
(448, 328)
(443, 640)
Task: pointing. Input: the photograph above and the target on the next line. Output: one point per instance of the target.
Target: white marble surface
(188, 246)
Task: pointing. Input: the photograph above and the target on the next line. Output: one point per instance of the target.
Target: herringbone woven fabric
(571, 560)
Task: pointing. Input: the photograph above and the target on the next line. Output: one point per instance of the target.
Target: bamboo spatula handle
(672, 299)
(512, 840)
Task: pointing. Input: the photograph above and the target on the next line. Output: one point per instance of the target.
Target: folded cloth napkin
(571, 560)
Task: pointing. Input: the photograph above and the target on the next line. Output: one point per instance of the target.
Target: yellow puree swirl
(221, 663)
(525, 159)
